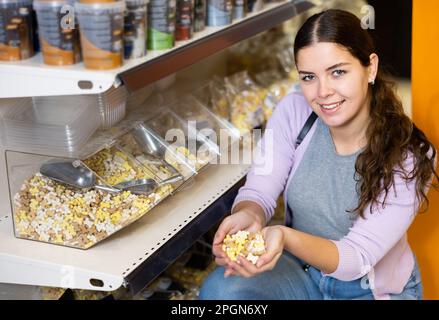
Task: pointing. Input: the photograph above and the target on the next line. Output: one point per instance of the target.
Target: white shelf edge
(18, 270)
(35, 263)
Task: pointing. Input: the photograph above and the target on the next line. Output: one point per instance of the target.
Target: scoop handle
(107, 189)
(171, 180)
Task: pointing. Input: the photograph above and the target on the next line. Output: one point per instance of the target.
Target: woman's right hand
(247, 220)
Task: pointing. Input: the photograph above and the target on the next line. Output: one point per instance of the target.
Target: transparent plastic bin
(197, 149)
(52, 212)
(213, 94)
(218, 130)
(112, 106)
(48, 125)
(137, 98)
(166, 165)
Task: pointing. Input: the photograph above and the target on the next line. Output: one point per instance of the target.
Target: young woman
(352, 187)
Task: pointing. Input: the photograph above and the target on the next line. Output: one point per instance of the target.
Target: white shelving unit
(32, 77)
(107, 265)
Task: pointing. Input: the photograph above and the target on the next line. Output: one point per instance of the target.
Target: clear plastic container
(196, 148)
(112, 106)
(59, 44)
(245, 101)
(16, 30)
(101, 26)
(52, 212)
(153, 152)
(50, 125)
(219, 131)
(137, 98)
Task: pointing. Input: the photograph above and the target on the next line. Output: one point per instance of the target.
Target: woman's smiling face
(335, 83)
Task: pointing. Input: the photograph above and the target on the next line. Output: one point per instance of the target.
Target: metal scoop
(148, 142)
(145, 186)
(74, 174)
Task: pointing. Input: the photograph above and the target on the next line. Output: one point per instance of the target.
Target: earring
(372, 82)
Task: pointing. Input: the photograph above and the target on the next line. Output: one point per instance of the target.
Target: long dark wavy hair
(391, 135)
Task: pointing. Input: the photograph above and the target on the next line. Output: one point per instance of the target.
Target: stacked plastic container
(112, 106)
(48, 125)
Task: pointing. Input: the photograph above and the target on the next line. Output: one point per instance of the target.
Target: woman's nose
(325, 89)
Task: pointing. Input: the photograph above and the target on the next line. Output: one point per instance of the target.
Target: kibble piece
(243, 243)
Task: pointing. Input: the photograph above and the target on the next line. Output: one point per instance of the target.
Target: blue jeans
(289, 281)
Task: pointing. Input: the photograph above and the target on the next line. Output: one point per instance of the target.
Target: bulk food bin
(50, 211)
(184, 138)
(195, 113)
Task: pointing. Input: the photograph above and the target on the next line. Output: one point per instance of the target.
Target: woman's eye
(308, 77)
(338, 73)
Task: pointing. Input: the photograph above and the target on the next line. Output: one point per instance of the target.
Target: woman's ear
(373, 67)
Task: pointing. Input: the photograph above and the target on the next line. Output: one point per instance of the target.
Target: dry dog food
(243, 243)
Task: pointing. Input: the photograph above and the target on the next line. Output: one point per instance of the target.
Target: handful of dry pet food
(244, 243)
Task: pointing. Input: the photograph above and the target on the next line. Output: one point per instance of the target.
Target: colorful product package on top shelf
(135, 29)
(199, 15)
(219, 12)
(60, 45)
(161, 24)
(16, 30)
(102, 26)
(240, 9)
(184, 26)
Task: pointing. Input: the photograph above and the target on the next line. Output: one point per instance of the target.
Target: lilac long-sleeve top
(377, 245)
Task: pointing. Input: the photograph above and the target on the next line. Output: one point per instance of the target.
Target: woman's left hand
(274, 245)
